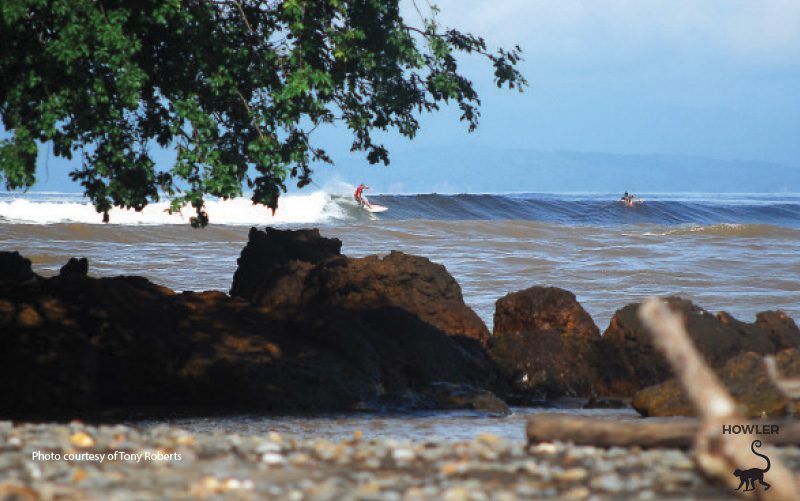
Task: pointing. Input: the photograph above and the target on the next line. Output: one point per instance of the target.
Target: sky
(710, 78)
(715, 78)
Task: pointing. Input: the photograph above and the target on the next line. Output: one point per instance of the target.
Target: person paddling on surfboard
(629, 199)
(360, 197)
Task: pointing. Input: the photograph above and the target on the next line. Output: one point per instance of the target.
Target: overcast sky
(718, 78)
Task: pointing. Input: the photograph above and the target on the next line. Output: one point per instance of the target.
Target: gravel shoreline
(164, 462)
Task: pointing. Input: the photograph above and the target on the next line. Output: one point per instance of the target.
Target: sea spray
(309, 207)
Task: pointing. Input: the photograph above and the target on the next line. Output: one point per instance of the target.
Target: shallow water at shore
(417, 426)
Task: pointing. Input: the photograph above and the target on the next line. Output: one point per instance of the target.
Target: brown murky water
(741, 269)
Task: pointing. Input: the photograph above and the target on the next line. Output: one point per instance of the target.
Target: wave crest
(315, 207)
(334, 203)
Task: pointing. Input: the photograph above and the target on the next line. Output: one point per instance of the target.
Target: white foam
(313, 207)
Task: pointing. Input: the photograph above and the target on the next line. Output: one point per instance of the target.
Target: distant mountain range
(485, 170)
(481, 170)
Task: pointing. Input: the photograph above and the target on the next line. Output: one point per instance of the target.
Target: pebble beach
(78, 461)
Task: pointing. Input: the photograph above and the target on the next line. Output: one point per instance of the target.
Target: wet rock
(572, 475)
(461, 396)
(604, 403)
(625, 360)
(280, 269)
(412, 283)
(317, 359)
(779, 327)
(542, 342)
(75, 269)
(268, 252)
(58, 354)
(744, 375)
(15, 268)
(127, 345)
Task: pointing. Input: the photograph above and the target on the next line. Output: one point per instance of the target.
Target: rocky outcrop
(543, 341)
(265, 257)
(308, 329)
(75, 269)
(354, 334)
(15, 268)
(309, 272)
(780, 329)
(744, 375)
(625, 360)
(410, 283)
(546, 345)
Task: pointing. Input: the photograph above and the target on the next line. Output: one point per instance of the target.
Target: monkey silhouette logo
(750, 477)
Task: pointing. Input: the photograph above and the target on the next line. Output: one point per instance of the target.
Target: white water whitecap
(314, 207)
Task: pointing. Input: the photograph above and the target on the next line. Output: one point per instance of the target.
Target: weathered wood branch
(788, 387)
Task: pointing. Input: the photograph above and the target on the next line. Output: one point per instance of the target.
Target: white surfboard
(376, 208)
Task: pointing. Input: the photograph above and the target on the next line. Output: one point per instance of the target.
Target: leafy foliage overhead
(235, 86)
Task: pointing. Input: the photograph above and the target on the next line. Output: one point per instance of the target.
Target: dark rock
(66, 344)
(625, 360)
(605, 403)
(267, 252)
(461, 396)
(780, 328)
(78, 347)
(74, 269)
(411, 283)
(543, 341)
(744, 375)
(322, 278)
(15, 268)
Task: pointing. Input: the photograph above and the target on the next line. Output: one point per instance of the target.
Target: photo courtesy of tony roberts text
(99, 457)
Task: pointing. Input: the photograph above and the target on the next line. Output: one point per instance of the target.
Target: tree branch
(244, 17)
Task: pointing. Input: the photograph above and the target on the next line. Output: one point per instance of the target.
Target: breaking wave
(747, 215)
(51, 208)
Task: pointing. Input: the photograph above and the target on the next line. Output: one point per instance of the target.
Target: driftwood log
(645, 433)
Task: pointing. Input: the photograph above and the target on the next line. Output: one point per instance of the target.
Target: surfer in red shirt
(360, 197)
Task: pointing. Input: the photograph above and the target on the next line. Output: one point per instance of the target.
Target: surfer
(360, 197)
(628, 199)
(362, 201)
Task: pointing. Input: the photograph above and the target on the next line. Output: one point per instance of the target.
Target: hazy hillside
(486, 170)
(478, 169)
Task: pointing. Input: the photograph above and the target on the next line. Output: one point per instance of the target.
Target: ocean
(734, 252)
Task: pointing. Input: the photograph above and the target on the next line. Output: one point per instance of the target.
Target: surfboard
(632, 203)
(376, 208)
